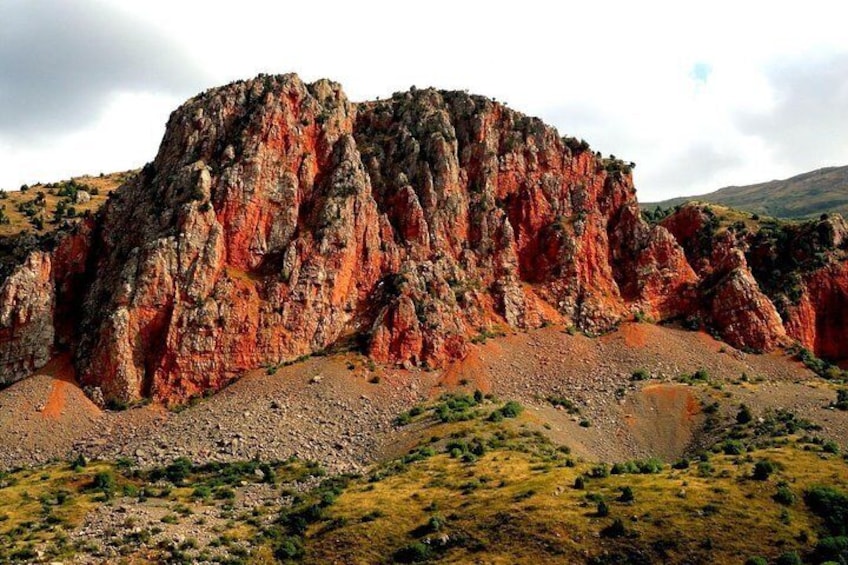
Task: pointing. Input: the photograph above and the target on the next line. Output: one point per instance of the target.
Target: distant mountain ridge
(802, 196)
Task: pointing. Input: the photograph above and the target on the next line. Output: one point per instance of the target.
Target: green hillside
(802, 196)
(483, 484)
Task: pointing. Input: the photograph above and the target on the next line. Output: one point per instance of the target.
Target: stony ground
(657, 417)
(335, 411)
(339, 410)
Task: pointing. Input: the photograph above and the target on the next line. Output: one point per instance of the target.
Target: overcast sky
(700, 98)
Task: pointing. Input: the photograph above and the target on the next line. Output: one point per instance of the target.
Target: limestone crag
(279, 219)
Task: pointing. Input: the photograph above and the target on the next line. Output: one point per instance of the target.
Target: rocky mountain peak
(279, 219)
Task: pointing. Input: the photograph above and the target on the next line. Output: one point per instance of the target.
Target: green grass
(476, 488)
(507, 508)
(39, 507)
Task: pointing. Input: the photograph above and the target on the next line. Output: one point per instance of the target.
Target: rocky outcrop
(279, 219)
(820, 318)
(650, 269)
(770, 283)
(744, 316)
(26, 318)
(39, 299)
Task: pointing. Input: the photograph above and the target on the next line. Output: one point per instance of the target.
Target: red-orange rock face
(744, 315)
(279, 219)
(26, 318)
(772, 286)
(820, 319)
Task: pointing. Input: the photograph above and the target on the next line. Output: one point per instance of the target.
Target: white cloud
(619, 74)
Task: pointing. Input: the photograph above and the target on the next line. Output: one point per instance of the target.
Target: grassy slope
(802, 196)
(518, 504)
(18, 222)
(474, 490)
(39, 507)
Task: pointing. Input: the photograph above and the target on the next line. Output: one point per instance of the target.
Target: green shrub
(763, 469)
(496, 416)
(626, 494)
(291, 547)
(832, 506)
(224, 493)
(511, 409)
(819, 366)
(841, 399)
(830, 446)
(614, 530)
(413, 553)
(784, 496)
(681, 464)
(201, 492)
(179, 470)
(78, 462)
(756, 561)
(455, 408)
(567, 404)
(645, 467)
(640, 375)
(831, 550)
(733, 447)
(603, 509)
(104, 481)
(744, 415)
(789, 558)
(434, 525)
(373, 515)
(599, 471)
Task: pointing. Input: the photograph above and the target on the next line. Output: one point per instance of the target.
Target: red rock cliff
(279, 219)
(770, 283)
